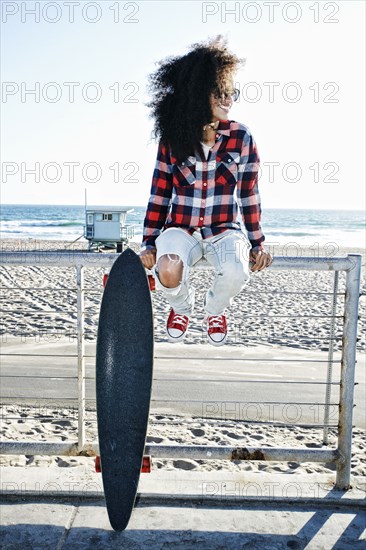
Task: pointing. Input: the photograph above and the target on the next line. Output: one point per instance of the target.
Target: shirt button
(204, 183)
(201, 219)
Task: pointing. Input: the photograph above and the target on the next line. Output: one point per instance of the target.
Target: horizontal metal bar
(244, 359)
(90, 259)
(294, 316)
(204, 452)
(256, 359)
(202, 380)
(33, 397)
(238, 402)
(184, 358)
(242, 453)
(30, 377)
(45, 448)
(214, 421)
(39, 355)
(290, 337)
(239, 380)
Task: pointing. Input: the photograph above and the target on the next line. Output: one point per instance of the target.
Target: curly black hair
(181, 89)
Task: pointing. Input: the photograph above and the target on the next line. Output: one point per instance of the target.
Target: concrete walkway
(55, 508)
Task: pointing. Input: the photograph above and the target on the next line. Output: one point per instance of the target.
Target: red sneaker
(216, 329)
(176, 326)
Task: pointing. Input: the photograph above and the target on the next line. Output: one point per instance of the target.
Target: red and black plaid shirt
(197, 195)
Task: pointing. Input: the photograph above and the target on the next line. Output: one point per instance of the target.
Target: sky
(302, 96)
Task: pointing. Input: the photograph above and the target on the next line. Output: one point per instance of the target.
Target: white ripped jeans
(227, 252)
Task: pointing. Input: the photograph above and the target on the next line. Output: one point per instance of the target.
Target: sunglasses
(234, 94)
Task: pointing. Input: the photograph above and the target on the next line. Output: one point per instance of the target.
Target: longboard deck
(124, 368)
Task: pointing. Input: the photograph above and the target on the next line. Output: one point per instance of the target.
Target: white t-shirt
(206, 149)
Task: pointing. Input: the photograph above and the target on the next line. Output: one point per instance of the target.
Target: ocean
(344, 228)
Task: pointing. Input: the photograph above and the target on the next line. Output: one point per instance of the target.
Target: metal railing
(351, 265)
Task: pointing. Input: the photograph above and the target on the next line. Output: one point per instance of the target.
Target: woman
(203, 158)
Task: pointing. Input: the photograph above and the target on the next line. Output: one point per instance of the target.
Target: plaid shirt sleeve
(160, 197)
(247, 191)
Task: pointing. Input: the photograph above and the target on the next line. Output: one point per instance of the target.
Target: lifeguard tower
(105, 227)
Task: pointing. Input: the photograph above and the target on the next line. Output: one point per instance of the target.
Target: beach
(40, 302)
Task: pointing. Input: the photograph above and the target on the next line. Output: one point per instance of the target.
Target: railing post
(81, 355)
(330, 360)
(348, 362)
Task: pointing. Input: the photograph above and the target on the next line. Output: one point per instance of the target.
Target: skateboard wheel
(105, 279)
(98, 467)
(146, 464)
(151, 283)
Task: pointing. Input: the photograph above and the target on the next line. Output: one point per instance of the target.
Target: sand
(42, 301)
(173, 430)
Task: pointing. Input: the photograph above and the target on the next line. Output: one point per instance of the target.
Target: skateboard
(124, 368)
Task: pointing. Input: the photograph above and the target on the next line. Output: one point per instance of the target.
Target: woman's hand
(148, 257)
(260, 259)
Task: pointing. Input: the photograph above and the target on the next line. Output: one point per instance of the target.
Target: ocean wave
(290, 233)
(55, 224)
(41, 223)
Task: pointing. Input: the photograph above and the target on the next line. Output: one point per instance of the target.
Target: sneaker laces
(179, 319)
(216, 321)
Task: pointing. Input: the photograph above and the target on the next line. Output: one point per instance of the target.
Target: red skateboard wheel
(151, 283)
(146, 464)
